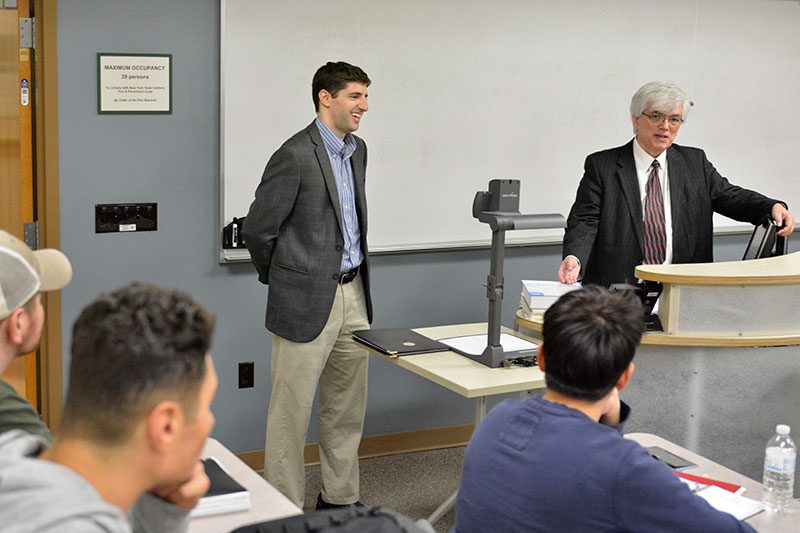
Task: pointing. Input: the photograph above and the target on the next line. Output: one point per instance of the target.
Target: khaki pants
(340, 368)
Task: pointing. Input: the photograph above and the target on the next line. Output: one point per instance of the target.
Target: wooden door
(17, 192)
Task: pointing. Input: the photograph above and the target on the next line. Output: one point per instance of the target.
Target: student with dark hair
(136, 417)
(307, 235)
(559, 462)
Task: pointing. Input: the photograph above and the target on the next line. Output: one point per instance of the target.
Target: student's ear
(623, 380)
(14, 326)
(540, 357)
(163, 424)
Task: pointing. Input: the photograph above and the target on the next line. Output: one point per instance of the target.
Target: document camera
(499, 207)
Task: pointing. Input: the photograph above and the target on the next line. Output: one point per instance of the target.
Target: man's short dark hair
(132, 349)
(589, 337)
(333, 77)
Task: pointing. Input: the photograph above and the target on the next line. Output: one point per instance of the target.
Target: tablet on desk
(670, 459)
(395, 342)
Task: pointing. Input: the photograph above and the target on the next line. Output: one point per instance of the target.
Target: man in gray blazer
(307, 236)
(609, 230)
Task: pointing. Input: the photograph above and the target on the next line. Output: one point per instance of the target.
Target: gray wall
(174, 160)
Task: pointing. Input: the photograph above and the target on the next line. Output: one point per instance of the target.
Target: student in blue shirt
(559, 462)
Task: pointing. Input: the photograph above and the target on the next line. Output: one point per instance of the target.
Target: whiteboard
(468, 91)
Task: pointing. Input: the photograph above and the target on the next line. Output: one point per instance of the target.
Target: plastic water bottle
(779, 463)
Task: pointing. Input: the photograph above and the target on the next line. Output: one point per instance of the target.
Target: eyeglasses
(657, 118)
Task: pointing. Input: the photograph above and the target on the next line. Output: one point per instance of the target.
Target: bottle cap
(782, 429)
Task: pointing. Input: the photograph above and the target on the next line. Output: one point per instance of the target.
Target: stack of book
(537, 296)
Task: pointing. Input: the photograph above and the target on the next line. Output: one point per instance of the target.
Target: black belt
(347, 277)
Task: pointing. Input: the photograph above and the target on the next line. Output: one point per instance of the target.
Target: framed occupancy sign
(134, 83)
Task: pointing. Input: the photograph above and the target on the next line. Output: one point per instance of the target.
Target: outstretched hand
(569, 269)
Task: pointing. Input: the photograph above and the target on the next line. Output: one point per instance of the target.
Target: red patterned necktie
(655, 233)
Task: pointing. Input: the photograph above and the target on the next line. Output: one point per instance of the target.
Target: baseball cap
(24, 272)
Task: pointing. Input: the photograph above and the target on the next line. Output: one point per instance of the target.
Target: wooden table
(268, 502)
(789, 522)
(466, 377)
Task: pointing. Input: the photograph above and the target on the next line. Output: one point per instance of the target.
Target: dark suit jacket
(605, 229)
(295, 237)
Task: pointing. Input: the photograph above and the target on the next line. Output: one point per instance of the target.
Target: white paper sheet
(728, 502)
(475, 344)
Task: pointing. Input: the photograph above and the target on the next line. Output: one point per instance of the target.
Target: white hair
(661, 96)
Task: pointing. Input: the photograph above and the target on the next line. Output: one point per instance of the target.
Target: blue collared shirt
(340, 152)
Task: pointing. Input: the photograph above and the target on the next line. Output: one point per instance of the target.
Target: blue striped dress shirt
(340, 152)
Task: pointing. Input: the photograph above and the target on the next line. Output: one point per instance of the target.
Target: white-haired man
(652, 201)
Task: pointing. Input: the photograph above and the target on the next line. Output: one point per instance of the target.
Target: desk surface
(463, 375)
(789, 522)
(268, 502)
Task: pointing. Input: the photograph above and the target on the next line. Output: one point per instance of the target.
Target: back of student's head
(589, 338)
(132, 349)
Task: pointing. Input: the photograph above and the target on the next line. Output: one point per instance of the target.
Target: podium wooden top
(534, 323)
(783, 269)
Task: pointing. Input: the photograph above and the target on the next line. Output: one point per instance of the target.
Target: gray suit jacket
(295, 237)
(605, 229)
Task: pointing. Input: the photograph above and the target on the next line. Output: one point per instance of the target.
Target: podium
(726, 368)
(737, 303)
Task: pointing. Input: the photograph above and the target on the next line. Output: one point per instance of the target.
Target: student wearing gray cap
(24, 275)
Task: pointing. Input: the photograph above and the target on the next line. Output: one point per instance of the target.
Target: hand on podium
(783, 219)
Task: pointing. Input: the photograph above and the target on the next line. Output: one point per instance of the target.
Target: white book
(542, 294)
(526, 310)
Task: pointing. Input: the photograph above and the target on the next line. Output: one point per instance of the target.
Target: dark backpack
(347, 520)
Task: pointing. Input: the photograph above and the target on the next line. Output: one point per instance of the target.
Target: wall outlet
(247, 375)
